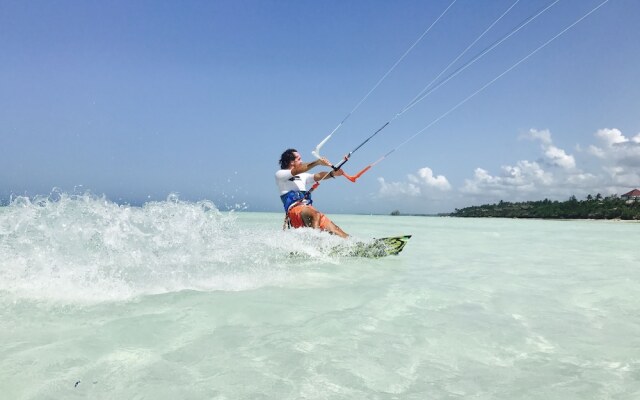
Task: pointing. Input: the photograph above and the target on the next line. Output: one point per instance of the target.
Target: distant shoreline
(592, 208)
(444, 215)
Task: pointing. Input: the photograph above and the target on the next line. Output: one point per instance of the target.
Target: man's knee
(309, 215)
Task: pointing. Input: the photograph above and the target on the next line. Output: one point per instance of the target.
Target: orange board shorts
(296, 220)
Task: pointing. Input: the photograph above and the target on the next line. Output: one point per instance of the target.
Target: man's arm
(304, 167)
(323, 175)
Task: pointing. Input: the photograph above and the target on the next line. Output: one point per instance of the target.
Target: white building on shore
(633, 195)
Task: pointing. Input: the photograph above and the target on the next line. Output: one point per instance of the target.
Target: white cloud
(611, 165)
(524, 177)
(529, 179)
(583, 180)
(425, 178)
(543, 136)
(552, 154)
(559, 157)
(617, 150)
(423, 183)
(596, 151)
(622, 177)
(393, 189)
(611, 136)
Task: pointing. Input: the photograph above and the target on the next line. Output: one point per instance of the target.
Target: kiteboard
(382, 247)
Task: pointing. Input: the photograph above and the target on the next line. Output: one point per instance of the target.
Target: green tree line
(593, 207)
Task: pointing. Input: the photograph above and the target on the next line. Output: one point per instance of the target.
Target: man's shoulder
(286, 174)
(283, 174)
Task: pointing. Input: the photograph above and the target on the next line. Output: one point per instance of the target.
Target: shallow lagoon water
(178, 300)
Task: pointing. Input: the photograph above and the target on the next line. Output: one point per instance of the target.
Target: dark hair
(287, 157)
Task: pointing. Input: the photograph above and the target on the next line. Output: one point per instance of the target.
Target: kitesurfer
(292, 180)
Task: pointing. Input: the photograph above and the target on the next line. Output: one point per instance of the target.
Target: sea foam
(87, 248)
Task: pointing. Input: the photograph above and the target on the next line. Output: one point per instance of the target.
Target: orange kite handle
(358, 175)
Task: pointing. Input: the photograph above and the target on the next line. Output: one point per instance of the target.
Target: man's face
(297, 160)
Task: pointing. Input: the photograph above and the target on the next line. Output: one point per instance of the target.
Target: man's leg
(315, 219)
(330, 227)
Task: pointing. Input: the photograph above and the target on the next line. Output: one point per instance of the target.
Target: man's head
(289, 156)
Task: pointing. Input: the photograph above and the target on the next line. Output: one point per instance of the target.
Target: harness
(292, 199)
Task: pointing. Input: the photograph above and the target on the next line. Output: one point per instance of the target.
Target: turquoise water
(177, 300)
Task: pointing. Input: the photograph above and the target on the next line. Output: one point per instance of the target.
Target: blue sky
(136, 100)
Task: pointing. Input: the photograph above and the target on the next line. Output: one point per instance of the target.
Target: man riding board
(292, 180)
